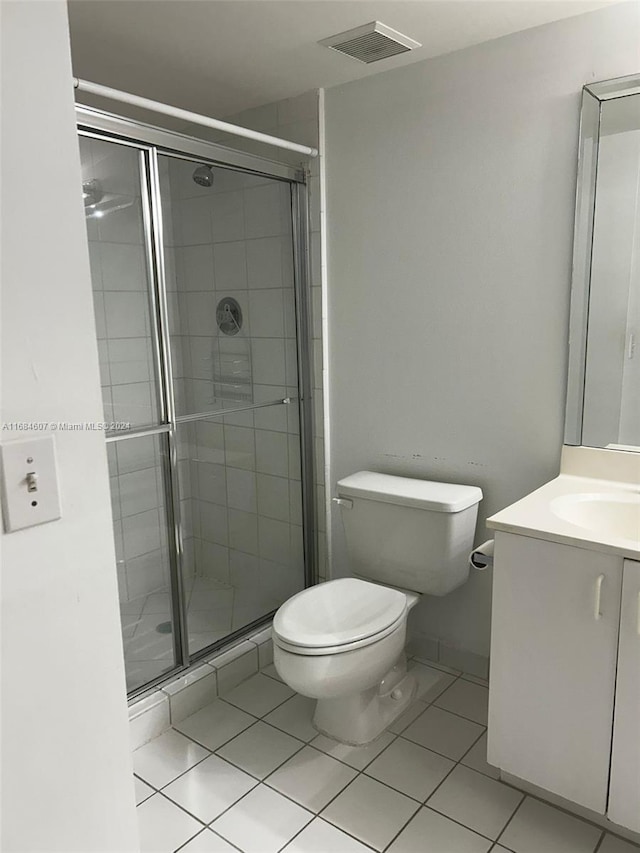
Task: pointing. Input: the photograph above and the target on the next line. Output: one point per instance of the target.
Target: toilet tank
(414, 534)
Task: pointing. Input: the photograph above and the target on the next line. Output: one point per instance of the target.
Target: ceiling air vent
(371, 42)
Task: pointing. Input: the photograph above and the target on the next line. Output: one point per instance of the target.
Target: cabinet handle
(596, 604)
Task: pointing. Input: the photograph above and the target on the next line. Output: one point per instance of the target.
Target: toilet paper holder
(481, 557)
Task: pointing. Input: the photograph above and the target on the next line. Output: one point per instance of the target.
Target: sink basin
(606, 514)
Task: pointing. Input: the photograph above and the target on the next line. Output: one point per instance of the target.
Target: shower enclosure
(198, 267)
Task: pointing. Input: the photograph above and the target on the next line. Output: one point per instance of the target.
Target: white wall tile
(146, 574)
(124, 225)
(138, 491)
(196, 269)
(123, 267)
(273, 539)
(271, 453)
(134, 402)
(214, 561)
(193, 221)
(228, 217)
(210, 442)
(148, 718)
(191, 692)
(230, 264)
(141, 533)
(264, 262)
(126, 314)
(212, 482)
(273, 496)
(268, 361)
(236, 670)
(239, 444)
(243, 532)
(99, 314)
(214, 522)
(241, 489)
(201, 313)
(263, 211)
(129, 360)
(267, 315)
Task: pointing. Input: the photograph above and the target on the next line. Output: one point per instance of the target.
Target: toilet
(342, 642)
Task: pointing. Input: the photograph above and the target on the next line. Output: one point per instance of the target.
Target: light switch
(30, 483)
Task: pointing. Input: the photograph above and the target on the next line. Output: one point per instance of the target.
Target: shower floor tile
(272, 784)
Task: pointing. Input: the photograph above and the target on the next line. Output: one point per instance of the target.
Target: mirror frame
(593, 96)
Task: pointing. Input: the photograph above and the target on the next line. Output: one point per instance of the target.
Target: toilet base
(359, 718)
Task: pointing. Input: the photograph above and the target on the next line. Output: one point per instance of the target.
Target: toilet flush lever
(344, 502)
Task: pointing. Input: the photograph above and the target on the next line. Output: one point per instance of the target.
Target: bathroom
(395, 292)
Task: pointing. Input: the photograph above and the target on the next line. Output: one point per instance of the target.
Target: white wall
(450, 201)
(67, 783)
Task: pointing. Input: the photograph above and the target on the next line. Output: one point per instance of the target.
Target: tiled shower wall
(299, 120)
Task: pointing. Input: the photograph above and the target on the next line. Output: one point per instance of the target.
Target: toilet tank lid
(405, 491)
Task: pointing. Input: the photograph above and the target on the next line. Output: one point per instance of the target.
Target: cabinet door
(554, 640)
(624, 793)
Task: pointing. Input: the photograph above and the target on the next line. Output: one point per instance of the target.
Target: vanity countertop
(584, 511)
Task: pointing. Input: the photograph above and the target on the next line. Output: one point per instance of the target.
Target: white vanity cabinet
(624, 792)
(565, 673)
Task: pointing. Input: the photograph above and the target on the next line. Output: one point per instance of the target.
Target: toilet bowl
(342, 643)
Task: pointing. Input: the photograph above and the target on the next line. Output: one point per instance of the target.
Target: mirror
(603, 395)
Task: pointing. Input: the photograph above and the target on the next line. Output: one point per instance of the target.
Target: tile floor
(249, 773)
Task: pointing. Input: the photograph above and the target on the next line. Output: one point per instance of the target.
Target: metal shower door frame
(153, 142)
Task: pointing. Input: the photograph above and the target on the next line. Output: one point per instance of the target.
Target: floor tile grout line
(198, 834)
(162, 787)
(259, 782)
(182, 808)
(600, 841)
(403, 827)
(516, 810)
(266, 713)
(442, 754)
(419, 803)
(262, 781)
(339, 828)
(470, 828)
(236, 767)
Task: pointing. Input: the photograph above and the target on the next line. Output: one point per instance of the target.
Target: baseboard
(182, 696)
(438, 651)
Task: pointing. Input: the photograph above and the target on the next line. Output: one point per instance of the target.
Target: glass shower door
(228, 250)
(117, 219)
(192, 269)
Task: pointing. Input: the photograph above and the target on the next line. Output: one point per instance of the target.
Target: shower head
(203, 176)
(92, 192)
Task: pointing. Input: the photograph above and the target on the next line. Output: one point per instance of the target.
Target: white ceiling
(223, 56)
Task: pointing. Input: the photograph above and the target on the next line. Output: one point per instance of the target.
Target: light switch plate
(30, 483)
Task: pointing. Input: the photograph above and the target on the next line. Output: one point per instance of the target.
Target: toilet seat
(338, 616)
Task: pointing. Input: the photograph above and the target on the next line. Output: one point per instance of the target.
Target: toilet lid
(338, 612)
